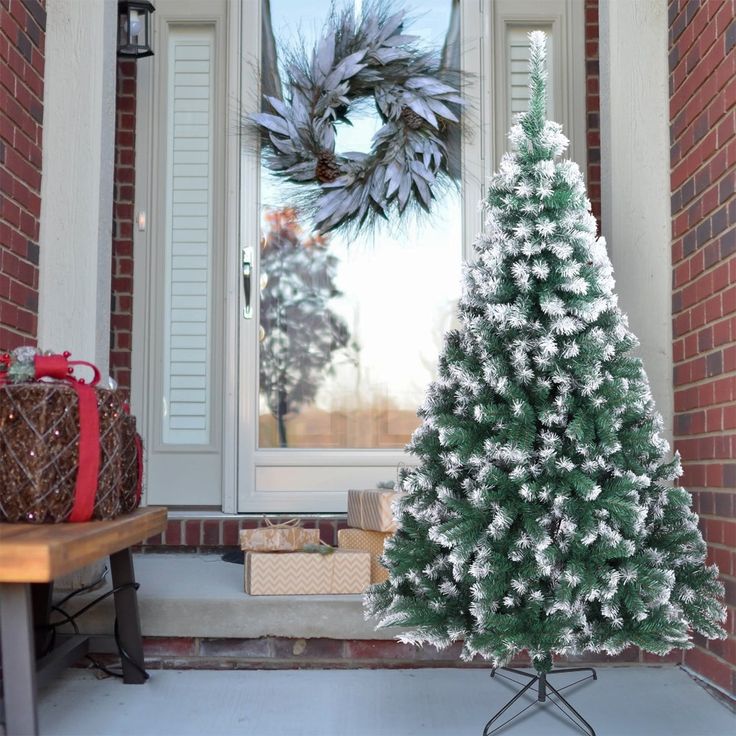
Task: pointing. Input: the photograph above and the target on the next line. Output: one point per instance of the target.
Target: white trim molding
(77, 183)
(635, 178)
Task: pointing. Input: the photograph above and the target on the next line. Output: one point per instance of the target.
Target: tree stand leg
(542, 687)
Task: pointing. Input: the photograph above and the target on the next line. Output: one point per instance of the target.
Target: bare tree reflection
(300, 333)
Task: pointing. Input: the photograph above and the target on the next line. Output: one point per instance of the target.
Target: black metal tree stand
(554, 697)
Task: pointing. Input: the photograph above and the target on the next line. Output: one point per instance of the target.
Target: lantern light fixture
(134, 29)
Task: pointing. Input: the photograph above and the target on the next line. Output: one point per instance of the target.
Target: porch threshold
(199, 595)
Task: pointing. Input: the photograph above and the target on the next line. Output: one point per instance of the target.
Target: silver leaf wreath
(408, 160)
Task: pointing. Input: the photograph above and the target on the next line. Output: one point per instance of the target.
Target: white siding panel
(185, 235)
(190, 222)
(188, 302)
(188, 328)
(189, 249)
(189, 341)
(188, 316)
(190, 157)
(188, 426)
(192, 144)
(190, 276)
(188, 369)
(188, 333)
(184, 92)
(187, 382)
(189, 288)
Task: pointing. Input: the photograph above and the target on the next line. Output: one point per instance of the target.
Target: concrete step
(200, 596)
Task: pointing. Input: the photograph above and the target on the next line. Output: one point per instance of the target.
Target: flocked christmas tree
(541, 514)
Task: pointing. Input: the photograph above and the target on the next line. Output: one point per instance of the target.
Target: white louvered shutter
(188, 320)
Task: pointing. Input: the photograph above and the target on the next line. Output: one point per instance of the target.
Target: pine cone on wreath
(411, 119)
(327, 168)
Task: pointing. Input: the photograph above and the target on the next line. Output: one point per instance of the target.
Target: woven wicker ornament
(39, 452)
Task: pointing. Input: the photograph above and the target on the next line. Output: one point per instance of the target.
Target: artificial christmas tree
(541, 514)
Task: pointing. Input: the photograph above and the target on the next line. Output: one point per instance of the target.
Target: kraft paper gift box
(371, 510)
(286, 537)
(307, 573)
(367, 541)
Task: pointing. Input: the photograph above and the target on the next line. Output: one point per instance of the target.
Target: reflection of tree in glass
(300, 333)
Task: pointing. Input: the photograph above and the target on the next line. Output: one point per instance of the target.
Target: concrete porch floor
(625, 701)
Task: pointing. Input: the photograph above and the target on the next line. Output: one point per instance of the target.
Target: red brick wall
(702, 64)
(121, 318)
(22, 38)
(592, 107)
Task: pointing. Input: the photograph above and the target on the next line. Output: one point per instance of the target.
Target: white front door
(339, 337)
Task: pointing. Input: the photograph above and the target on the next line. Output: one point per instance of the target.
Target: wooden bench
(31, 557)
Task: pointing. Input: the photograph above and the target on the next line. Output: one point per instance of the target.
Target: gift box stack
(370, 522)
(285, 559)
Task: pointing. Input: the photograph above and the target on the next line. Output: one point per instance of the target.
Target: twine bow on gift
(322, 548)
(290, 524)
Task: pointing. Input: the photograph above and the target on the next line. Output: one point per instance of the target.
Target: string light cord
(71, 620)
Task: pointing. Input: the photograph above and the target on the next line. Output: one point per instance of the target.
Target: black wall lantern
(134, 29)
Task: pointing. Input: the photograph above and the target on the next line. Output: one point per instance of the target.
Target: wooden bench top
(38, 553)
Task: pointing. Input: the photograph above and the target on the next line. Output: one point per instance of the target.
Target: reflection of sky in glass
(399, 291)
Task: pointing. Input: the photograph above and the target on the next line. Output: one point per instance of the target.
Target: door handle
(247, 281)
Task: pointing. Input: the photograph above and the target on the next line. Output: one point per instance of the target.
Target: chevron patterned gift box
(367, 541)
(371, 510)
(307, 573)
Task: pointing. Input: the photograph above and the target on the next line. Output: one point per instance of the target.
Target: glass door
(339, 336)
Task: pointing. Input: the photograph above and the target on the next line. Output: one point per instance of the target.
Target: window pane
(350, 329)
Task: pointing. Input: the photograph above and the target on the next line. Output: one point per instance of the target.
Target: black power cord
(71, 620)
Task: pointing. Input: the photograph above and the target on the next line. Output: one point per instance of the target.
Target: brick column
(121, 318)
(592, 106)
(702, 65)
(22, 48)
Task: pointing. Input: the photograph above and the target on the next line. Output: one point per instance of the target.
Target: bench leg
(41, 600)
(129, 623)
(19, 659)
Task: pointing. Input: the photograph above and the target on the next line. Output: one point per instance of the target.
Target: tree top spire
(533, 121)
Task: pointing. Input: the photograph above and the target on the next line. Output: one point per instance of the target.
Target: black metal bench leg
(41, 599)
(128, 626)
(19, 659)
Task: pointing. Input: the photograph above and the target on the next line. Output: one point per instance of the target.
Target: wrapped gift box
(40, 453)
(307, 573)
(287, 537)
(371, 510)
(366, 541)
